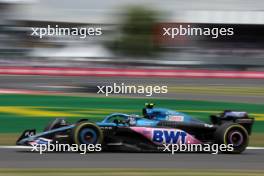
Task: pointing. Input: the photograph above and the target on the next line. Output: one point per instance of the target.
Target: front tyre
(87, 133)
(233, 133)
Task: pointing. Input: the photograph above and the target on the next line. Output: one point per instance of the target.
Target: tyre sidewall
(222, 136)
(80, 126)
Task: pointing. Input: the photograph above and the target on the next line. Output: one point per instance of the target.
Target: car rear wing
(241, 118)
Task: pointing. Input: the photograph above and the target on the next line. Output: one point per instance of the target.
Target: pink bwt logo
(166, 136)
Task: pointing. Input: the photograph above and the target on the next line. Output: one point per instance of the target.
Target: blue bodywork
(165, 114)
(140, 121)
(151, 118)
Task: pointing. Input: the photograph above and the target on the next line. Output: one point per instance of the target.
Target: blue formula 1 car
(158, 126)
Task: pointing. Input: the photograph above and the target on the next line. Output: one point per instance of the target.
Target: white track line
(29, 147)
(255, 148)
(15, 147)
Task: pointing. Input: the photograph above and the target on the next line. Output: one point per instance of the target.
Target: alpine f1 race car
(158, 126)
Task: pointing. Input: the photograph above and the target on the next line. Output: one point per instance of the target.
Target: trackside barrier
(111, 72)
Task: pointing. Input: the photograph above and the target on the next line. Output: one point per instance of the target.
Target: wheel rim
(88, 136)
(236, 138)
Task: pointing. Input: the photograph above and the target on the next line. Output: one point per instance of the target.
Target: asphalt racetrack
(242, 90)
(21, 158)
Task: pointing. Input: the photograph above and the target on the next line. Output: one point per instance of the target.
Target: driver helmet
(148, 107)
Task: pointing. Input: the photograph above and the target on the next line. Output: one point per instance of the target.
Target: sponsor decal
(169, 136)
(41, 141)
(166, 136)
(176, 118)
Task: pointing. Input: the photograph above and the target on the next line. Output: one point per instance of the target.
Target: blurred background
(57, 76)
(129, 42)
(127, 39)
(128, 52)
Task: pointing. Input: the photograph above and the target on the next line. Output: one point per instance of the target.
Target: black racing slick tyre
(87, 133)
(232, 133)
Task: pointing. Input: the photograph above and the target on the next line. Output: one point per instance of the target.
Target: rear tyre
(233, 133)
(87, 133)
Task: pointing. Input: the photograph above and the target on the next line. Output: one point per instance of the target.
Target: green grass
(96, 108)
(128, 172)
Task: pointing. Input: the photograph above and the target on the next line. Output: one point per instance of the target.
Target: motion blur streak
(131, 72)
(57, 75)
